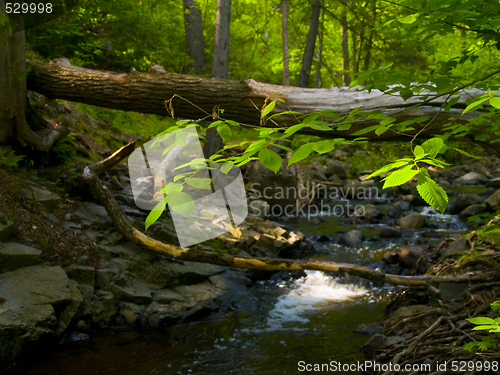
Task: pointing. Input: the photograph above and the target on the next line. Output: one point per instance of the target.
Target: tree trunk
(369, 43)
(284, 31)
(346, 78)
(305, 71)
(221, 46)
(122, 222)
(13, 100)
(194, 35)
(320, 49)
(147, 94)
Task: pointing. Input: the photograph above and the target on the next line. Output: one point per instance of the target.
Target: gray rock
(368, 211)
(390, 232)
(493, 201)
(81, 274)
(112, 239)
(412, 221)
(463, 201)
(337, 168)
(319, 175)
(409, 255)
(93, 215)
(51, 217)
(46, 198)
(166, 296)
(353, 190)
(471, 178)
(495, 183)
(6, 227)
(87, 299)
(401, 206)
(137, 293)
(368, 329)
(259, 208)
(353, 238)
(393, 340)
(458, 246)
(31, 293)
(70, 313)
(475, 209)
(452, 291)
(131, 312)
(14, 256)
(104, 306)
(336, 180)
(377, 341)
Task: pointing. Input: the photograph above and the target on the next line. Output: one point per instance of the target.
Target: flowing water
(281, 323)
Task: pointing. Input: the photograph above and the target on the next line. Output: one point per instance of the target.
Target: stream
(281, 321)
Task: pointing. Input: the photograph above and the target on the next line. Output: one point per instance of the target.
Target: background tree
(14, 109)
(194, 35)
(284, 31)
(307, 59)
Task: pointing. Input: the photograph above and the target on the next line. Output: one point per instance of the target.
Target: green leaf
(431, 192)
(481, 320)
(481, 137)
(225, 131)
(232, 123)
(433, 146)
(301, 153)
(475, 104)
(366, 130)
(294, 128)
(270, 159)
(388, 167)
(381, 130)
(419, 152)
(465, 153)
(495, 102)
(268, 108)
(344, 127)
(399, 177)
(155, 214)
(172, 186)
(226, 168)
(323, 147)
(199, 183)
(181, 202)
(495, 305)
(215, 123)
(409, 19)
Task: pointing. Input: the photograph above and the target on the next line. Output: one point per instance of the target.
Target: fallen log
(124, 225)
(241, 100)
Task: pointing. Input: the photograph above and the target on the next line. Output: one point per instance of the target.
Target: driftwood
(241, 100)
(91, 176)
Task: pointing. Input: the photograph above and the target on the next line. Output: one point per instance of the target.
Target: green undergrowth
(129, 122)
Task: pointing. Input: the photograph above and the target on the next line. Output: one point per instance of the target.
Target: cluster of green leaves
(489, 324)
(8, 158)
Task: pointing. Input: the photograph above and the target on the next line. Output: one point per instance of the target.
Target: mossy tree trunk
(13, 101)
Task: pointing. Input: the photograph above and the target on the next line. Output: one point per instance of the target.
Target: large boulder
(463, 201)
(475, 209)
(46, 198)
(38, 304)
(412, 221)
(337, 168)
(353, 238)
(6, 227)
(493, 201)
(14, 256)
(471, 178)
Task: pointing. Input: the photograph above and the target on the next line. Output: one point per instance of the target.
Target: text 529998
(23, 8)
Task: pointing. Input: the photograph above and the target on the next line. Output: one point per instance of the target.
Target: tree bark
(369, 43)
(320, 49)
(91, 176)
(284, 32)
(147, 93)
(346, 78)
(305, 71)
(194, 35)
(13, 100)
(221, 46)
